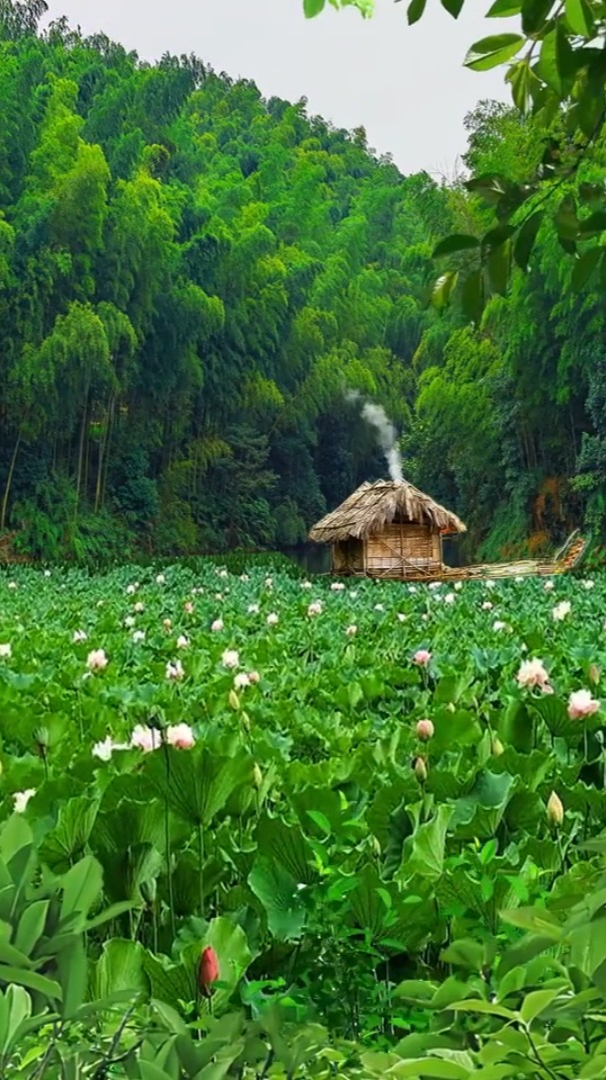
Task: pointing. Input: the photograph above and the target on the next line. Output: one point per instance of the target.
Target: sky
(406, 85)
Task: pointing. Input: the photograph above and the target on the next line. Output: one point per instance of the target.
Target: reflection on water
(313, 558)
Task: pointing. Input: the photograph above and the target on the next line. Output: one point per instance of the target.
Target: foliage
(555, 68)
(191, 278)
(363, 914)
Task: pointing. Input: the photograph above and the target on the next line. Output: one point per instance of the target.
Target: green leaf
(536, 1002)
(466, 953)
(32, 980)
(456, 242)
(584, 267)
(31, 926)
(119, 967)
(278, 892)
(499, 267)
(443, 288)
(526, 238)
(534, 14)
(428, 845)
(556, 62)
(593, 225)
(286, 845)
(311, 8)
(566, 221)
(492, 51)
(503, 9)
(453, 7)
(580, 17)
(81, 887)
(415, 11)
(197, 784)
(231, 946)
(486, 1007)
(472, 296)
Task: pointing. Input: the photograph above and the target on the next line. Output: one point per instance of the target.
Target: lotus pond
(380, 806)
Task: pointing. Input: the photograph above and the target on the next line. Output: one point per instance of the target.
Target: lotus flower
(180, 736)
(230, 658)
(145, 739)
(21, 799)
(582, 704)
(422, 657)
(532, 673)
(97, 660)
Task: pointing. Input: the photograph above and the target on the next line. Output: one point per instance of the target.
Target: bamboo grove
(193, 277)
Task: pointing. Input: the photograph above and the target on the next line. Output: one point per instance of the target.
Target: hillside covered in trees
(192, 278)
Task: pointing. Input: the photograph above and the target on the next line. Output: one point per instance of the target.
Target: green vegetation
(233, 844)
(191, 280)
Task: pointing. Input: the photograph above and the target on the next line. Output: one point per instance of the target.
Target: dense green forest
(192, 278)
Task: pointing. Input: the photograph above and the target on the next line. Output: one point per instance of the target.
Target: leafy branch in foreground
(556, 69)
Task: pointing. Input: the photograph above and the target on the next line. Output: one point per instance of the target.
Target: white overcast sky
(406, 85)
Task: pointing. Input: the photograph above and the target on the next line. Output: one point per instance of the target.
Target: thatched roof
(373, 506)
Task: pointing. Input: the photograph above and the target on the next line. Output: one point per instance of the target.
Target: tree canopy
(192, 278)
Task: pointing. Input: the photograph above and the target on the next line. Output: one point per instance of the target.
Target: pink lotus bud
(425, 730)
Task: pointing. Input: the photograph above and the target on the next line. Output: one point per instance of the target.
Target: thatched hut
(387, 529)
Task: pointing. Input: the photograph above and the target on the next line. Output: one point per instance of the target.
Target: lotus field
(256, 826)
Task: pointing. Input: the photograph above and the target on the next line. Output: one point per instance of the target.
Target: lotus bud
(451, 707)
(555, 811)
(245, 718)
(425, 730)
(41, 738)
(149, 891)
(420, 770)
(208, 970)
(234, 700)
(376, 847)
(497, 747)
(257, 775)
(594, 674)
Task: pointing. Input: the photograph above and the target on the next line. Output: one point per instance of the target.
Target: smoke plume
(376, 416)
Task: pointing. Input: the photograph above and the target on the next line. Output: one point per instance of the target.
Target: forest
(193, 279)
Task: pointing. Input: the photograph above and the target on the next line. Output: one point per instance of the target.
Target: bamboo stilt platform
(562, 562)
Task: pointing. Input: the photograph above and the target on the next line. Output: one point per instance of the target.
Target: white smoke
(376, 416)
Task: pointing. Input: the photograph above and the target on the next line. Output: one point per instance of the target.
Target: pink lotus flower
(254, 677)
(315, 608)
(241, 680)
(217, 626)
(188, 607)
(533, 673)
(174, 670)
(487, 606)
(180, 736)
(145, 739)
(97, 660)
(337, 586)
(422, 657)
(230, 658)
(425, 730)
(582, 704)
